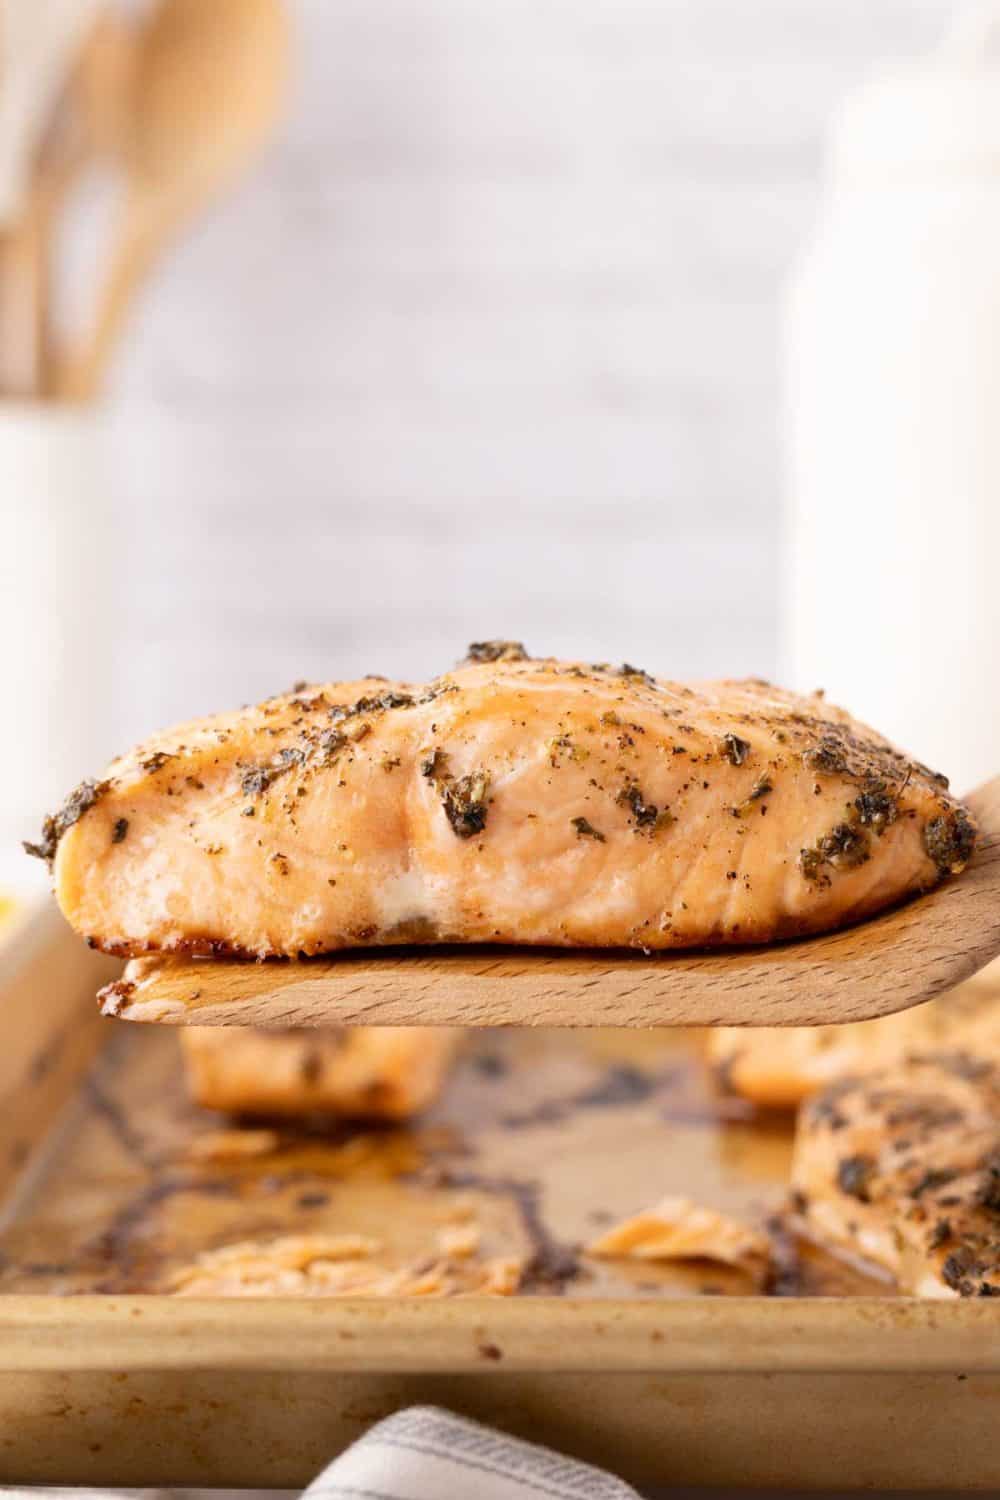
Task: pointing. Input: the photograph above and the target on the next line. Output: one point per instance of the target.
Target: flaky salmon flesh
(778, 1067)
(511, 800)
(354, 1073)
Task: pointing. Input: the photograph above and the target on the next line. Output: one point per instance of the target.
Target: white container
(56, 614)
(892, 372)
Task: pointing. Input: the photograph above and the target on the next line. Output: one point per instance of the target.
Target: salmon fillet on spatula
(551, 828)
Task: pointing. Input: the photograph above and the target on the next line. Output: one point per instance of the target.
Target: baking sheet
(109, 1180)
(543, 1139)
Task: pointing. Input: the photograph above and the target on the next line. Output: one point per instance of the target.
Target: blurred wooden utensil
(208, 84)
(88, 130)
(39, 39)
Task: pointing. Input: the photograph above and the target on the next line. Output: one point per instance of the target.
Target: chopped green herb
(485, 651)
(734, 749)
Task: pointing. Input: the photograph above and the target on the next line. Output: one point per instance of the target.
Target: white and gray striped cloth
(427, 1454)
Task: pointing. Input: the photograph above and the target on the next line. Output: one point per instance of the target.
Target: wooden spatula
(887, 964)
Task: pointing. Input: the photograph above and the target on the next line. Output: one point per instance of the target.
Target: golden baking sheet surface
(542, 1139)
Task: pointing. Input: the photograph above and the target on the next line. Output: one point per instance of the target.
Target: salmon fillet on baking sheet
(362, 1072)
(900, 1167)
(510, 800)
(779, 1066)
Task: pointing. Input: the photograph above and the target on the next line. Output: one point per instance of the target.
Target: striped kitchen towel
(424, 1453)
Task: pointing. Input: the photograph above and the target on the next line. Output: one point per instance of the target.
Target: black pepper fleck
(854, 1175)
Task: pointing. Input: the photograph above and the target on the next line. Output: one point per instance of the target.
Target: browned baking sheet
(112, 1180)
(542, 1139)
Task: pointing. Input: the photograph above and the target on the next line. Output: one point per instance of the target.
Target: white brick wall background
(486, 345)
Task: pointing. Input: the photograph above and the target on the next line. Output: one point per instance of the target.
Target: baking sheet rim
(543, 1334)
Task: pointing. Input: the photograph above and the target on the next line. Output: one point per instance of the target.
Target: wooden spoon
(886, 964)
(209, 81)
(43, 44)
(80, 125)
(87, 130)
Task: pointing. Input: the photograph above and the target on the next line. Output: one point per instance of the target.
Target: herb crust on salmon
(511, 800)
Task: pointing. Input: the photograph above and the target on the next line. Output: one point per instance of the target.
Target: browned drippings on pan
(541, 1141)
